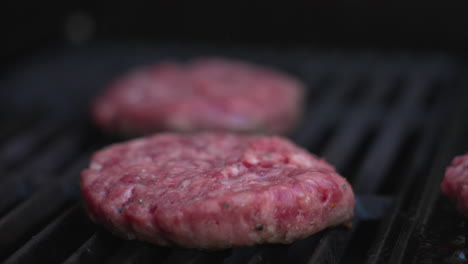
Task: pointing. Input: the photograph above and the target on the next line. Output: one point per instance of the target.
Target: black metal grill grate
(379, 119)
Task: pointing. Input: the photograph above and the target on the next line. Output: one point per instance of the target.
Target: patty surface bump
(208, 94)
(455, 183)
(214, 190)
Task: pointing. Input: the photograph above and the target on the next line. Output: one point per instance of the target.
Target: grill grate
(379, 119)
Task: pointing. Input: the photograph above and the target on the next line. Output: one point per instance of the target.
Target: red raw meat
(455, 184)
(214, 190)
(203, 95)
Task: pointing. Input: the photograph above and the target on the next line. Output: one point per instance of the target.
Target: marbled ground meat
(214, 190)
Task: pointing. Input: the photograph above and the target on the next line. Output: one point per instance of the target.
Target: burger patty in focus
(214, 190)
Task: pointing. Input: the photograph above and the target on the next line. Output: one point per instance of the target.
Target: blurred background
(403, 25)
(50, 33)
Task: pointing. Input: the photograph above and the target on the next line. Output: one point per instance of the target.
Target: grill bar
(270, 254)
(375, 167)
(431, 191)
(421, 158)
(195, 257)
(12, 126)
(322, 117)
(385, 83)
(32, 214)
(241, 255)
(58, 238)
(95, 249)
(138, 252)
(23, 183)
(404, 119)
(19, 147)
(350, 136)
(14, 230)
(331, 246)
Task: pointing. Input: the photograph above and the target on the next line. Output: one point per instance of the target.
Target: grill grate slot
(331, 246)
(37, 211)
(386, 238)
(270, 254)
(13, 126)
(393, 182)
(241, 255)
(300, 251)
(321, 118)
(391, 85)
(365, 112)
(53, 243)
(138, 252)
(195, 257)
(95, 249)
(425, 205)
(18, 148)
(350, 136)
(19, 185)
(317, 88)
(24, 220)
(378, 162)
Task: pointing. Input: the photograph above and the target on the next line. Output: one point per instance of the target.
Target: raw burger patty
(455, 184)
(205, 94)
(214, 190)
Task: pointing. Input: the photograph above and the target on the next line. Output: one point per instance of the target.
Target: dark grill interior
(389, 123)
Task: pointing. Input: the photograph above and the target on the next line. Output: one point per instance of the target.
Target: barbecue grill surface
(390, 123)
